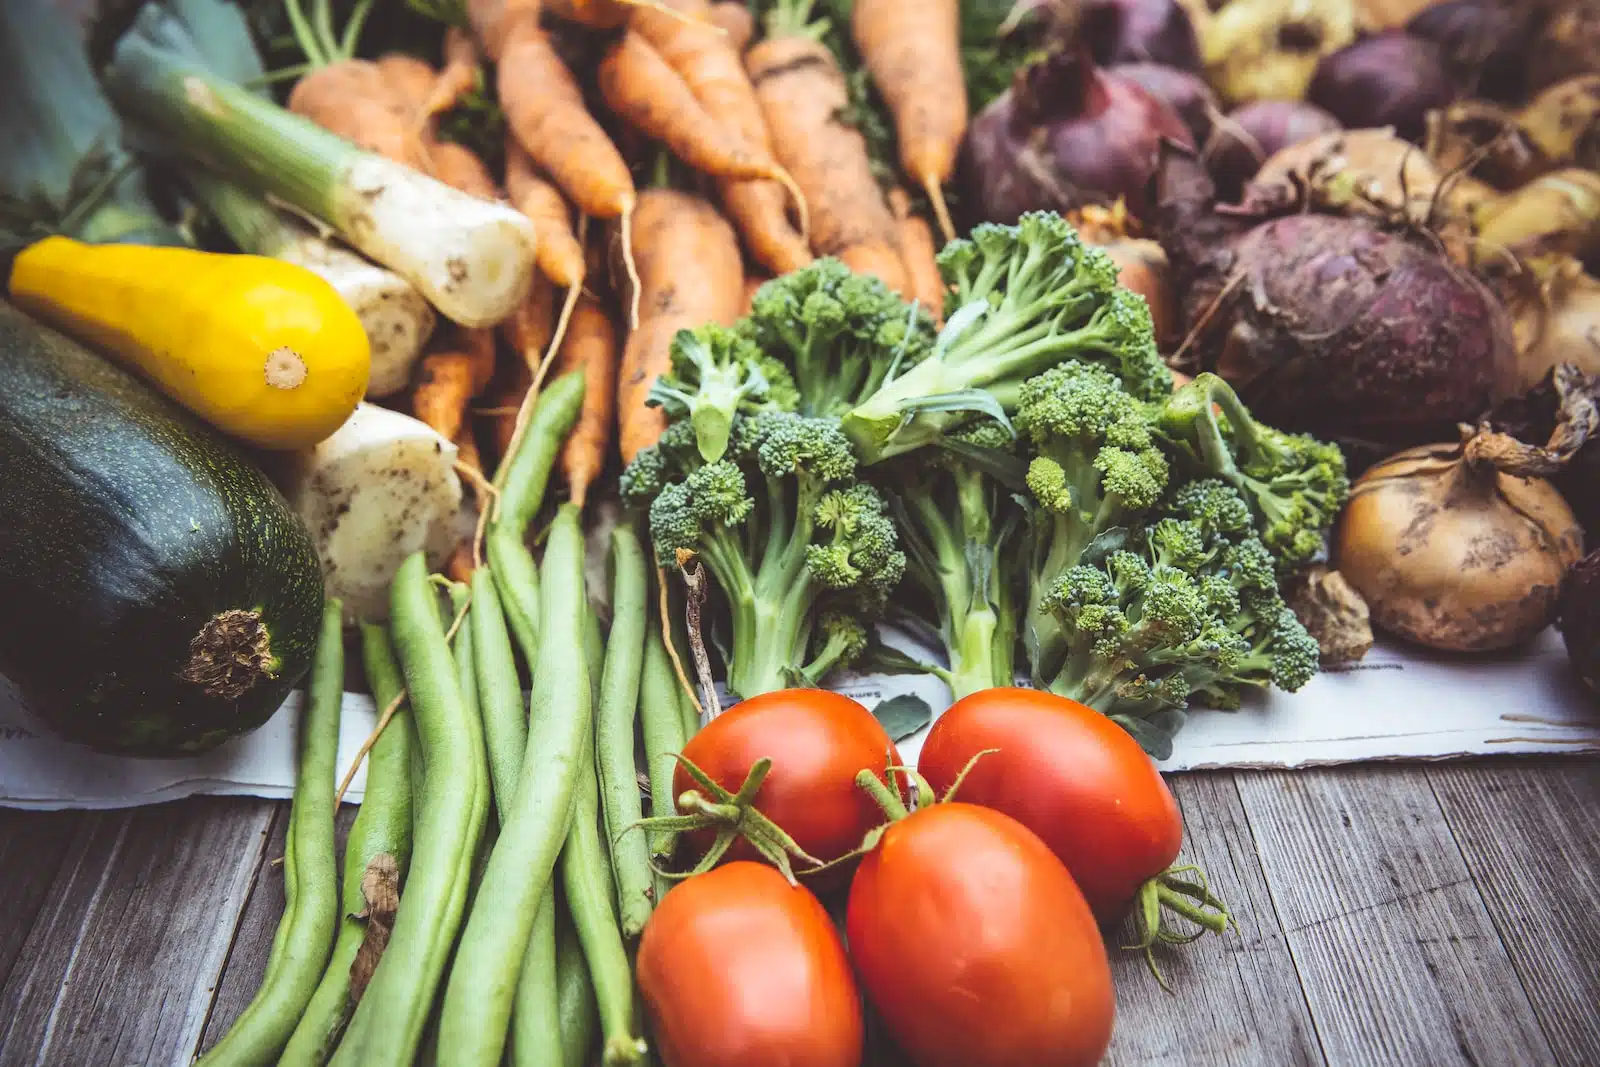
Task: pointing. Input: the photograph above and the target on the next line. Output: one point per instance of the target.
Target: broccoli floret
(716, 373)
(1294, 484)
(839, 334)
(673, 456)
(962, 530)
(788, 535)
(1095, 469)
(841, 639)
(1023, 299)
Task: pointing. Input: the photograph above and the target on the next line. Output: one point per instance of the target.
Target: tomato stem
(885, 797)
(1192, 899)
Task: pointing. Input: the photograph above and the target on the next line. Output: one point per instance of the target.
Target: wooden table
(1422, 915)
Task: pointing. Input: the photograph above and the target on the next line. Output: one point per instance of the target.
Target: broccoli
(716, 373)
(1294, 484)
(1024, 298)
(840, 335)
(1095, 472)
(788, 534)
(961, 528)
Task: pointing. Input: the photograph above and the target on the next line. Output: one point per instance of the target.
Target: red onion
(1065, 134)
(1487, 42)
(1147, 31)
(1254, 134)
(1390, 79)
(1188, 93)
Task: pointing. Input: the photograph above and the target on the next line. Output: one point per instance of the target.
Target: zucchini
(157, 595)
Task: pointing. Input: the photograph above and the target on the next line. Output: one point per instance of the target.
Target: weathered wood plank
(123, 958)
(1235, 999)
(33, 845)
(1400, 962)
(1530, 833)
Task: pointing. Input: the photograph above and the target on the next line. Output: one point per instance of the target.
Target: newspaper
(1397, 704)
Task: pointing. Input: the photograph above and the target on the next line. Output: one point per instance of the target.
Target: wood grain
(1398, 958)
(1235, 999)
(33, 845)
(1530, 833)
(123, 958)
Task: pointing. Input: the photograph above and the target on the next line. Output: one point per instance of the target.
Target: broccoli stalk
(714, 375)
(788, 535)
(960, 525)
(1025, 298)
(1295, 484)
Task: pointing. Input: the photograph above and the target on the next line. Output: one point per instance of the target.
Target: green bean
(614, 718)
(382, 827)
(310, 870)
(462, 651)
(388, 1023)
(661, 723)
(586, 877)
(522, 485)
(477, 1000)
(536, 1012)
(575, 995)
(505, 716)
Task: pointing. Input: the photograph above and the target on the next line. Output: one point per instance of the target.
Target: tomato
(1070, 775)
(738, 969)
(818, 742)
(976, 946)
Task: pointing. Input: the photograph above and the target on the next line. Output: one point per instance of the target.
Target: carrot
(409, 79)
(642, 88)
(560, 256)
(444, 388)
(803, 95)
(545, 111)
(460, 566)
(689, 274)
(606, 14)
(735, 20)
(752, 282)
(528, 330)
(460, 168)
(504, 398)
(920, 255)
(710, 65)
(456, 78)
(912, 48)
(353, 99)
(591, 343)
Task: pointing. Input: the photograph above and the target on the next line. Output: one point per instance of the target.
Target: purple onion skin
(1487, 41)
(1066, 134)
(1275, 125)
(1187, 93)
(1389, 79)
(1149, 31)
(1330, 325)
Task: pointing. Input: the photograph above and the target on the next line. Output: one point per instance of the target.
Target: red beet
(1390, 79)
(1331, 325)
(1187, 93)
(1147, 31)
(1254, 134)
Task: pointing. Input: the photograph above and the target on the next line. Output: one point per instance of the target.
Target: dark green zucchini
(157, 595)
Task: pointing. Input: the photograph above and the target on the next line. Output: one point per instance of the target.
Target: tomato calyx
(732, 816)
(1168, 894)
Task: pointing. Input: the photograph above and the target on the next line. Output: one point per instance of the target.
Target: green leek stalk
(472, 258)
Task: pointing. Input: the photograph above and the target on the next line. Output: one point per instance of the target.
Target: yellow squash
(262, 349)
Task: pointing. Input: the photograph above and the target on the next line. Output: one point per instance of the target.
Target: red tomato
(976, 946)
(1070, 775)
(818, 742)
(740, 969)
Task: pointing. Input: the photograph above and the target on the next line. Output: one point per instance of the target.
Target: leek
(472, 258)
(397, 319)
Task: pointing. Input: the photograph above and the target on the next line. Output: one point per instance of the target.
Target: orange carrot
(760, 210)
(545, 111)
(456, 78)
(606, 14)
(735, 20)
(352, 98)
(559, 255)
(460, 168)
(591, 343)
(409, 79)
(920, 255)
(529, 328)
(642, 88)
(460, 566)
(503, 400)
(912, 48)
(689, 274)
(444, 388)
(803, 95)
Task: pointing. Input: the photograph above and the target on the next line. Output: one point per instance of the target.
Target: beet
(1486, 43)
(1187, 93)
(1147, 31)
(1272, 125)
(1389, 79)
(1331, 325)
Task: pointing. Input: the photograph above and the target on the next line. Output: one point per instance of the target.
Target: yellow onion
(1460, 547)
(1269, 49)
(1555, 319)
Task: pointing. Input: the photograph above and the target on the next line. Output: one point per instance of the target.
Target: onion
(1329, 324)
(1567, 44)
(1460, 547)
(1148, 31)
(1563, 122)
(1065, 134)
(1255, 133)
(1144, 269)
(1486, 42)
(1558, 214)
(1391, 79)
(1269, 49)
(1187, 93)
(1549, 410)
(1332, 612)
(1555, 319)
(1485, 140)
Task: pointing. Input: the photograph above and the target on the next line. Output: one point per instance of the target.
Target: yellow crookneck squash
(262, 349)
